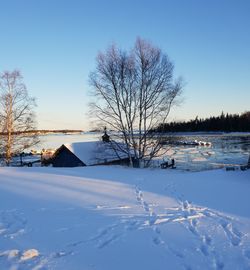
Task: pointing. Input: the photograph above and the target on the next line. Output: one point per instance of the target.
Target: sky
(54, 43)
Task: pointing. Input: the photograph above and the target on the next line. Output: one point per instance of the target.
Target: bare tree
(17, 118)
(134, 92)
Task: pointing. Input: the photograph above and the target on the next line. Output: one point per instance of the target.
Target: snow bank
(121, 218)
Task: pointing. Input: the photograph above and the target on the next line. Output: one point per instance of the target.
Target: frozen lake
(54, 141)
(226, 149)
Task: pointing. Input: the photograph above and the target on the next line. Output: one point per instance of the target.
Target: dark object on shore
(105, 137)
(230, 169)
(165, 165)
(21, 158)
(246, 167)
(28, 163)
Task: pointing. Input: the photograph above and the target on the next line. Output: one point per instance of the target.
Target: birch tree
(133, 93)
(17, 117)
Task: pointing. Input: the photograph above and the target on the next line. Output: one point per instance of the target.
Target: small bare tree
(134, 92)
(17, 118)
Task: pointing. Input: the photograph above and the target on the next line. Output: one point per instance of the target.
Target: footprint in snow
(157, 241)
(208, 240)
(12, 223)
(205, 247)
(108, 241)
(231, 232)
(204, 250)
(218, 263)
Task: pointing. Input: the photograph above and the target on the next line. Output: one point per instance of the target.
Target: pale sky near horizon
(54, 44)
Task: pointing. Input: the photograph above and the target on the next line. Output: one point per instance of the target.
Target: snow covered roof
(97, 152)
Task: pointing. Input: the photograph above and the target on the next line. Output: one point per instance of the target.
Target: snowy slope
(113, 218)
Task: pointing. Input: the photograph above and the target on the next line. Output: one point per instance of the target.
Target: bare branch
(134, 92)
(16, 115)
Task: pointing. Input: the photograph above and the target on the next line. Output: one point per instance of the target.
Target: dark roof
(89, 153)
(63, 157)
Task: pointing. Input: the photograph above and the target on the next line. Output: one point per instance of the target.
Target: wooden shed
(63, 157)
(88, 154)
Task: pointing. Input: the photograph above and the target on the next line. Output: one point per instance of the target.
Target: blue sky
(55, 42)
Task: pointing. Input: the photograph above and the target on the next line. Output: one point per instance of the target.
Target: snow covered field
(114, 218)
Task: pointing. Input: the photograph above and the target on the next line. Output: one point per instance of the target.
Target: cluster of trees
(46, 131)
(224, 122)
(16, 116)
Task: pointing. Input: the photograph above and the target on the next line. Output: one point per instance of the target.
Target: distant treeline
(224, 122)
(43, 131)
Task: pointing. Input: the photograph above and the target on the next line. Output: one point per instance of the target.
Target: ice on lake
(225, 149)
